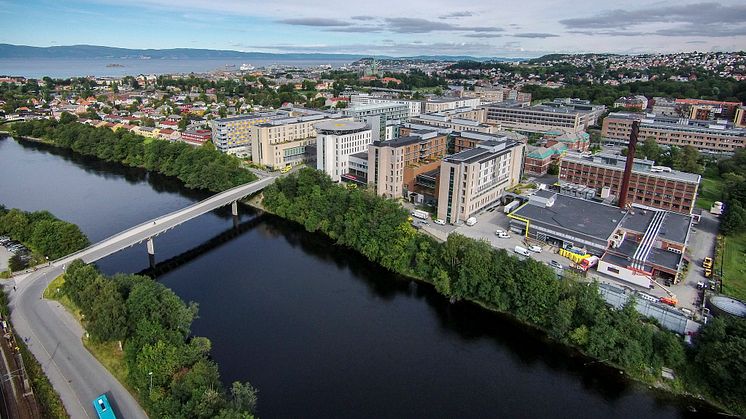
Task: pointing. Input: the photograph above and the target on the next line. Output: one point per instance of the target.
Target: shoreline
(658, 387)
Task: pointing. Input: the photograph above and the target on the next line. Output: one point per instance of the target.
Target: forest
(154, 326)
(197, 167)
(465, 269)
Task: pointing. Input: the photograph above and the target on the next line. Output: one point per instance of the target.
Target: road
(55, 337)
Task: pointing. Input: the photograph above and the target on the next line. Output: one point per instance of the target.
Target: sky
(487, 28)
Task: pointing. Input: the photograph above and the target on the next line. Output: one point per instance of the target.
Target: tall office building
(475, 179)
(336, 141)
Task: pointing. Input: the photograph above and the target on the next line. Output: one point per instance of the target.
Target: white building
(336, 141)
(415, 106)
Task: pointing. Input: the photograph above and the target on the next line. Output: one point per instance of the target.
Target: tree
(734, 219)
(649, 149)
(108, 320)
(16, 263)
(553, 169)
(244, 396)
(66, 118)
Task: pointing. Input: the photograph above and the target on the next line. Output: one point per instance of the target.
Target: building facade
(475, 179)
(414, 106)
(443, 104)
(572, 117)
(650, 185)
(705, 136)
(336, 141)
(393, 165)
(377, 116)
(234, 134)
(283, 141)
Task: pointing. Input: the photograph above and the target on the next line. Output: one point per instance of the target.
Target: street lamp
(151, 382)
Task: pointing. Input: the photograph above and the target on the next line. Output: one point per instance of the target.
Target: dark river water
(318, 329)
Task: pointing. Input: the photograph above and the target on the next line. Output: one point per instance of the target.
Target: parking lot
(9, 248)
(488, 222)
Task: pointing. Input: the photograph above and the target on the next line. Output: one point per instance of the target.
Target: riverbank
(464, 269)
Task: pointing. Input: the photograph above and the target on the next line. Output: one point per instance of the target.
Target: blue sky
(394, 27)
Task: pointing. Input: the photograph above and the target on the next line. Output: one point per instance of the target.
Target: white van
(522, 251)
(535, 248)
(471, 221)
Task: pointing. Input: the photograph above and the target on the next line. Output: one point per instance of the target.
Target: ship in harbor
(246, 67)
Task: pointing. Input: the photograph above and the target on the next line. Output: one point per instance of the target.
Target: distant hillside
(101, 52)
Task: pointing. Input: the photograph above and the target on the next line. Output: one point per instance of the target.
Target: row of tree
(198, 167)
(733, 173)
(463, 268)
(171, 370)
(686, 158)
(42, 232)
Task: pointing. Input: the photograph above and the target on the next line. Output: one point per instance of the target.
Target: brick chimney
(631, 148)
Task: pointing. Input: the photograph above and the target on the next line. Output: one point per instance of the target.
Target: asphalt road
(54, 336)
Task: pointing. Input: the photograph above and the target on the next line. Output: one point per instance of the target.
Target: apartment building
(465, 140)
(414, 106)
(739, 120)
(234, 134)
(565, 114)
(283, 141)
(393, 165)
(377, 116)
(475, 179)
(707, 109)
(446, 121)
(650, 185)
(706, 136)
(336, 141)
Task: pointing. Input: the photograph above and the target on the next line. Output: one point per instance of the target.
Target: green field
(710, 190)
(734, 266)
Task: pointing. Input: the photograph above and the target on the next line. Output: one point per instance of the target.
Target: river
(319, 330)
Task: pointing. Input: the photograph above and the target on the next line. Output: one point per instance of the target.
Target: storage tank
(722, 305)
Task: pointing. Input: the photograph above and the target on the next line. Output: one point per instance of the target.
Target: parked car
(522, 251)
(535, 248)
(502, 235)
(556, 264)
(707, 263)
(439, 222)
(471, 221)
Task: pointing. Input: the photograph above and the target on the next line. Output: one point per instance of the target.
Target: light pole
(151, 382)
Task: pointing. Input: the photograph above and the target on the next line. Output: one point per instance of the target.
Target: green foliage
(171, 371)
(720, 357)
(15, 263)
(43, 233)
(733, 173)
(199, 168)
(462, 268)
(553, 169)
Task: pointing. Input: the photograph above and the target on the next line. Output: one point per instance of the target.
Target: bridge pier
(234, 208)
(151, 252)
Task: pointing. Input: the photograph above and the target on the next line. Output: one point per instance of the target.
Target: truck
(421, 214)
(511, 206)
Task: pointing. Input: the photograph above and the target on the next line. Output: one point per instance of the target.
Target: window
(613, 270)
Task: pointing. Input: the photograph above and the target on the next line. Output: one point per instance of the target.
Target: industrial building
(336, 141)
(705, 136)
(475, 179)
(636, 245)
(650, 185)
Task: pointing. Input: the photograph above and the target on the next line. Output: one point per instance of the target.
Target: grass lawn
(710, 190)
(734, 267)
(107, 353)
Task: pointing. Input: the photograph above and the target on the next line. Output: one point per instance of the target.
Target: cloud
(695, 13)
(419, 25)
(711, 30)
(356, 29)
(609, 33)
(408, 49)
(362, 17)
(483, 35)
(535, 35)
(456, 15)
(314, 21)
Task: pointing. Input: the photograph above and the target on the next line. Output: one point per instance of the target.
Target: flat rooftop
(641, 166)
(575, 214)
(341, 126)
(675, 226)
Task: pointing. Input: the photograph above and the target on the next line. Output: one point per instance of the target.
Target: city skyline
(384, 28)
